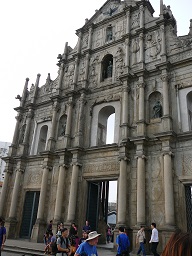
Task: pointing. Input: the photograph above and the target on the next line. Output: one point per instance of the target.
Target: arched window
(189, 109)
(105, 128)
(42, 139)
(155, 105)
(62, 125)
(107, 67)
(109, 33)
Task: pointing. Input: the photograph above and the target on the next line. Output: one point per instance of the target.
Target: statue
(157, 110)
(109, 69)
(63, 128)
(109, 34)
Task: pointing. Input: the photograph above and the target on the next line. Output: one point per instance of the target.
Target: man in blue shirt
(88, 248)
(123, 243)
(2, 235)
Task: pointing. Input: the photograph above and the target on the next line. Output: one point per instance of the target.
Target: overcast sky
(33, 32)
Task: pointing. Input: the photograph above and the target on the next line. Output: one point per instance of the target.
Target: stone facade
(125, 62)
(4, 148)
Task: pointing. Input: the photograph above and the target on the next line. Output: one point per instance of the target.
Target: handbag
(144, 240)
(73, 249)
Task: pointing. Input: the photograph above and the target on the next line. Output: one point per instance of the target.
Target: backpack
(54, 246)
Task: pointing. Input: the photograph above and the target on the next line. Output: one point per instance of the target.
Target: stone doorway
(29, 213)
(98, 206)
(188, 198)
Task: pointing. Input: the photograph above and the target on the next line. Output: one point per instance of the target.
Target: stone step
(23, 250)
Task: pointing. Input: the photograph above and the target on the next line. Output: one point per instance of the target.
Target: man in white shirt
(154, 239)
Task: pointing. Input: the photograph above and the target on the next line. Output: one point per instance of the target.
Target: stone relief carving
(105, 98)
(119, 65)
(34, 178)
(152, 45)
(120, 28)
(102, 167)
(85, 41)
(135, 51)
(92, 73)
(186, 165)
(69, 73)
(82, 71)
(135, 20)
(98, 39)
(174, 44)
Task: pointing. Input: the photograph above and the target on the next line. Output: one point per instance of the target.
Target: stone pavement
(25, 247)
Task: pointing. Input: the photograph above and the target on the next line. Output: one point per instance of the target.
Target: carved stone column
(128, 22)
(51, 142)
(79, 43)
(141, 190)
(122, 193)
(16, 132)
(141, 86)
(164, 78)
(43, 192)
(61, 72)
(141, 9)
(141, 45)
(87, 66)
(168, 189)
(59, 195)
(125, 107)
(80, 121)
(8, 172)
(67, 135)
(28, 126)
(14, 200)
(76, 71)
(90, 37)
(163, 48)
(127, 57)
(73, 193)
(178, 108)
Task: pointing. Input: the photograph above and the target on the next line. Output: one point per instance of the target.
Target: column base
(38, 231)
(166, 236)
(141, 128)
(51, 144)
(11, 228)
(167, 123)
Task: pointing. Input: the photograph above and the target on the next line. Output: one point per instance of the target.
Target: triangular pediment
(108, 10)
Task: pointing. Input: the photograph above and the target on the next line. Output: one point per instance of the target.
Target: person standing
(140, 239)
(87, 227)
(123, 243)
(2, 235)
(88, 248)
(63, 243)
(154, 239)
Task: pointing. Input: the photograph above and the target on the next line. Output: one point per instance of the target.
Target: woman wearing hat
(88, 248)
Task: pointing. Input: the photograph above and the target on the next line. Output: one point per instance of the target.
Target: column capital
(56, 106)
(141, 36)
(125, 158)
(48, 167)
(141, 8)
(8, 170)
(66, 166)
(162, 28)
(141, 156)
(21, 170)
(76, 163)
(164, 77)
(170, 153)
(30, 113)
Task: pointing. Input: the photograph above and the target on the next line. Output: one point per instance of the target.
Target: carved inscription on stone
(102, 167)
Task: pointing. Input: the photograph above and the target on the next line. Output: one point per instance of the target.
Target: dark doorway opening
(188, 198)
(29, 213)
(100, 197)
